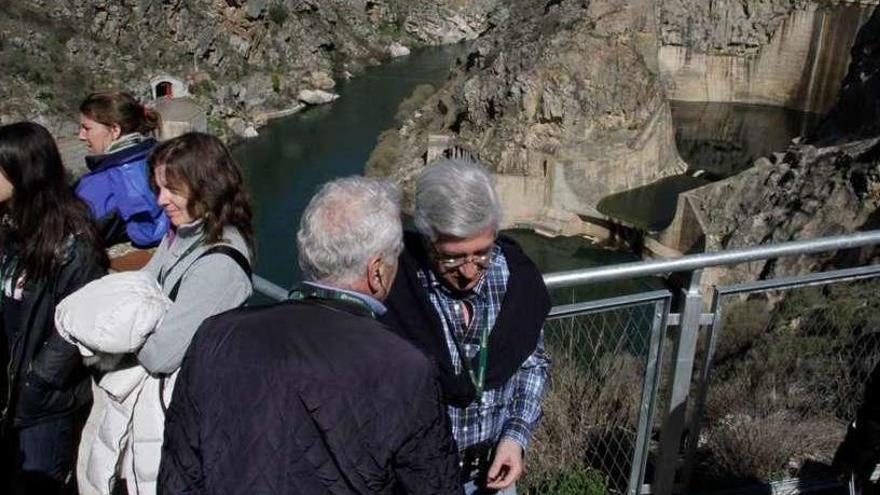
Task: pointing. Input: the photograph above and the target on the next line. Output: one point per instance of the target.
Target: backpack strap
(225, 249)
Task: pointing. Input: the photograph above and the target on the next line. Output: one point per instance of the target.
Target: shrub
(788, 375)
(383, 159)
(414, 101)
(578, 480)
(204, 87)
(590, 409)
(278, 13)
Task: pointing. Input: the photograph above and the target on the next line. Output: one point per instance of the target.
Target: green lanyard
(478, 378)
(306, 291)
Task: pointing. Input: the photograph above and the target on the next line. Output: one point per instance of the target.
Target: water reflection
(724, 139)
(716, 140)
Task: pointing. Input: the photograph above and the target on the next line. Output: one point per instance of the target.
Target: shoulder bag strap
(225, 249)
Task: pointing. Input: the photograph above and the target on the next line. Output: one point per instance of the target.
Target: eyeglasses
(481, 260)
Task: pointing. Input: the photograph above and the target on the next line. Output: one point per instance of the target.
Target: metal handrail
(704, 260)
(269, 289)
(691, 262)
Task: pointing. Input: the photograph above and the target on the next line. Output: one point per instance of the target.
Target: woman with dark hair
(117, 129)
(202, 265)
(49, 249)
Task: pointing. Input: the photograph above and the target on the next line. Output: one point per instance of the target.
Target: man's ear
(374, 277)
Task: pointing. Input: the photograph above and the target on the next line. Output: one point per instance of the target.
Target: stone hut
(165, 86)
(179, 116)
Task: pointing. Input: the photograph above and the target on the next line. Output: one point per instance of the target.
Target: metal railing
(600, 343)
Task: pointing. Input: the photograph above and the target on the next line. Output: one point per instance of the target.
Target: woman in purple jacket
(116, 129)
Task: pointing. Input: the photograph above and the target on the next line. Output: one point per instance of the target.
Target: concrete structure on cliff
(179, 116)
(800, 68)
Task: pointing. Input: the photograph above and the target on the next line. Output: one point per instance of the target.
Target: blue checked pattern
(512, 410)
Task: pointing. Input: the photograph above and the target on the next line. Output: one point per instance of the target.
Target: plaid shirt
(511, 411)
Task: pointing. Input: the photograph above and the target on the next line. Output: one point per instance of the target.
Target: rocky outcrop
(241, 58)
(805, 193)
(564, 104)
(316, 96)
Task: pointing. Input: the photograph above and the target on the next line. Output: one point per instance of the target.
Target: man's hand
(507, 466)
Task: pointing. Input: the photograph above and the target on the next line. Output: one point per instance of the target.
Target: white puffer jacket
(123, 435)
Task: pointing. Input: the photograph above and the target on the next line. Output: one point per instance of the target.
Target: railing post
(681, 369)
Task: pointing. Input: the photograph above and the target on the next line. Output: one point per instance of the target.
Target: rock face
(725, 27)
(857, 113)
(240, 58)
(564, 104)
(790, 53)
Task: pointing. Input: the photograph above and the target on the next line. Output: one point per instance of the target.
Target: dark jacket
(307, 397)
(45, 375)
(512, 340)
(859, 452)
(117, 190)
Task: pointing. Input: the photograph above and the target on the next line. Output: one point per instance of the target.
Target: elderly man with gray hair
(314, 395)
(475, 303)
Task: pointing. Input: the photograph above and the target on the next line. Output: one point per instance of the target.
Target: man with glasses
(475, 303)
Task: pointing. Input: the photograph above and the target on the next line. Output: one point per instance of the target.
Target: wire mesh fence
(788, 369)
(601, 386)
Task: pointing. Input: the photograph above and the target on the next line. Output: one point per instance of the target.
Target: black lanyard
(306, 291)
(163, 274)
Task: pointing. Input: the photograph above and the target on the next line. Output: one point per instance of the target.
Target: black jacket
(859, 452)
(307, 397)
(45, 376)
(513, 338)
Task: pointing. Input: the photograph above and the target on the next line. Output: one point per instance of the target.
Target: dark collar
(334, 298)
(97, 163)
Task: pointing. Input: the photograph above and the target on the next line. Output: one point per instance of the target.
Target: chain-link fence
(787, 373)
(595, 429)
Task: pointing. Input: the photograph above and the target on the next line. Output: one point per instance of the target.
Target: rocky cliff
(564, 104)
(239, 57)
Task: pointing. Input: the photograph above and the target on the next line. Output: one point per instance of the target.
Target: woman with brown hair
(117, 130)
(202, 265)
(49, 249)
(202, 192)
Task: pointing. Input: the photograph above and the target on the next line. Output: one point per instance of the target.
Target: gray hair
(455, 197)
(346, 223)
